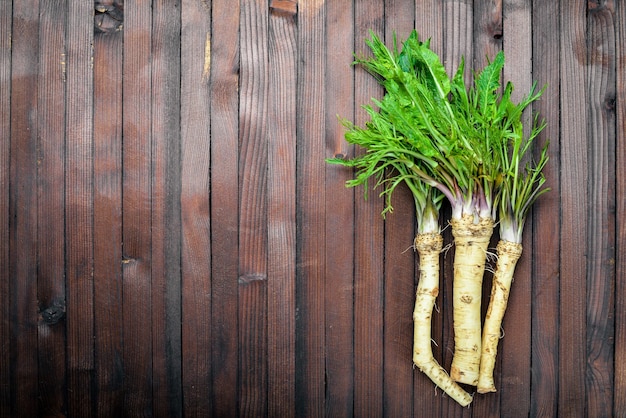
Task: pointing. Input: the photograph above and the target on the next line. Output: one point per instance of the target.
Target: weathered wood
(224, 81)
(601, 73)
(22, 219)
(310, 211)
(619, 389)
(545, 231)
(107, 177)
(5, 180)
(489, 30)
(166, 229)
(458, 36)
(339, 283)
(399, 265)
(574, 207)
(137, 208)
(51, 288)
(281, 215)
(79, 209)
(253, 234)
(369, 237)
(514, 353)
(195, 204)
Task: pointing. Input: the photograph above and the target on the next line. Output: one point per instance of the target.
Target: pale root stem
(471, 240)
(508, 255)
(428, 247)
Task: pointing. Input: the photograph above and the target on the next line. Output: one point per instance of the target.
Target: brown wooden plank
(458, 19)
(601, 78)
(281, 216)
(429, 25)
(368, 241)
(107, 274)
(619, 388)
(23, 210)
(79, 208)
(253, 140)
(51, 214)
(195, 207)
(513, 382)
(399, 263)
(5, 162)
(166, 234)
(339, 281)
(574, 209)
(137, 205)
(545, 231)
(224, 71)
(310, 210)
(488, 31)
(252, 346)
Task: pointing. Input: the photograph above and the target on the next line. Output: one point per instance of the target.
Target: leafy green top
(435, 135)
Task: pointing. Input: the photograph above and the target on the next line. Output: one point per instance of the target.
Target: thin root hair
(447, 248)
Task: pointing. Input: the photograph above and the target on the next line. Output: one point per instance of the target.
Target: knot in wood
(108, 16)
(53, 314)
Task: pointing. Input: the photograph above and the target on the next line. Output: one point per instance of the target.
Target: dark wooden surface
(174, 244)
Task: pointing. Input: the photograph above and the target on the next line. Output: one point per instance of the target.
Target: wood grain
(253, 233)
(399, 265)
(310, 211)
(166, 235)
(137, 209)
(108, 296)
(224, 81)
(195, 201)
(51, 288)
(281, 215)
(339, 283)
(79, 209)
(619, 398)
(5, 179)
(574, 206)
(601, 217)
(545, 230)
(369, 298)
(22, 219)
(515, 361)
